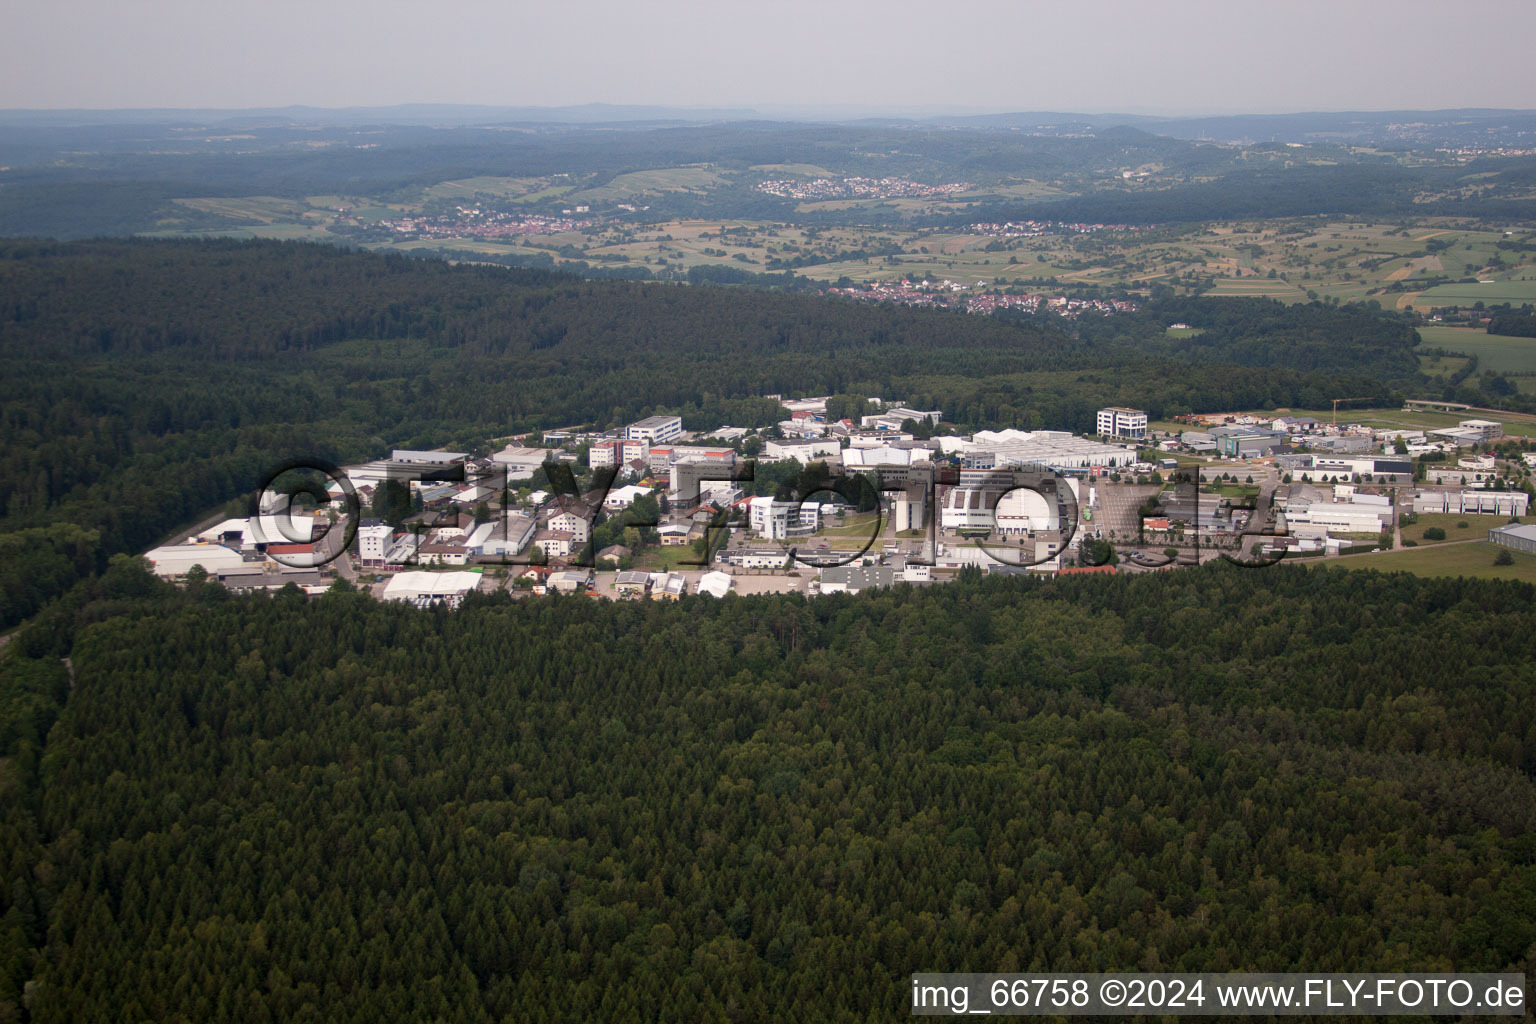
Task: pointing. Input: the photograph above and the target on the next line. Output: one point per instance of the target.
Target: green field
(857, 526)
(1523, 289)
(1497, 352)
(667, 559)
(499, 188)
(261, 209)
(793, 171)
(638, 183)
(1445, 560)
(1476, 529)
(1441, 366)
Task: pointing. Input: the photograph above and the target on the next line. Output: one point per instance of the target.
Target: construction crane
(1336, 401)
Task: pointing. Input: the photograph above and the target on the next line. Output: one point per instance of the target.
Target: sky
(1092, 56)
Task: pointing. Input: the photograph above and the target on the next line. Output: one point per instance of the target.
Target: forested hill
(755, 809)
(151, 381)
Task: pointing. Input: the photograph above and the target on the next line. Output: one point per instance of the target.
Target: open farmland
(1496, 352)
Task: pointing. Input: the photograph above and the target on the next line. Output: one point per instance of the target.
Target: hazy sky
(1177, 56)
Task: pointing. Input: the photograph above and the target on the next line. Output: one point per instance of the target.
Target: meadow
(1496, 352)
(1474, 560)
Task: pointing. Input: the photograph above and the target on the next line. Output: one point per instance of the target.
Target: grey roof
(859, 577)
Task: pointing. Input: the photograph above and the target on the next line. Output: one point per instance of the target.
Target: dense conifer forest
(272, 808)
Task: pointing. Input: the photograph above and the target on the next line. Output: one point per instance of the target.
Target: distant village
(1037, 228)
(651, 511)
(472, 221)
(955, 295)
(860, 188)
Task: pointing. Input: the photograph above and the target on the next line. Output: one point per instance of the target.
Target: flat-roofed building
(435, 458)
(1012, 513)
(520, 463)
(851, 579)
(373, 542)
(1480, 502)
(423, 589)
(632, 584)
(668, 586)
(1490, 430)
(1118, 421)
(1057, 449)
(1310, 519)
(655, 429)
(617, 452)
(775, 520)
(174, 561)
(1516, 538)
(803, 451)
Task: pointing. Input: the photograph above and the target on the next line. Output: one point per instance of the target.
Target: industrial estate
(820, 505)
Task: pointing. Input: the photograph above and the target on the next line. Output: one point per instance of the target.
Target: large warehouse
(174, 560)
(423, 589)
(1517, 538)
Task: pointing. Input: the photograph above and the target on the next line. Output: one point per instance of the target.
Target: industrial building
(851, 579)
(520, 463)
(1516, 538)
(803, 451)
(1312, 519)
(409, 457)
(1057, 449)
(655, 429)
(1013, 513)
(1317, 466)
(173, 561)
(1479, 502)
(424, 589)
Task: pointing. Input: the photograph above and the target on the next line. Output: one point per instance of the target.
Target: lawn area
(668, 559)
(857, 527)
(1237, 492)
(1446, 560)
(1476, 529)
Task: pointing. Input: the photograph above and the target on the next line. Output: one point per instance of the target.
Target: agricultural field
(1289, 260)
(520, 190)
(626, 187)
(260, 209)
(1496, 352)
(1516, 290)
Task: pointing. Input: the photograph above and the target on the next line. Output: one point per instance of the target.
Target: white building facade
(1117, 421)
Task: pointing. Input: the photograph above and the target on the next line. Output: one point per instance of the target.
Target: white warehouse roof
(421, 587)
